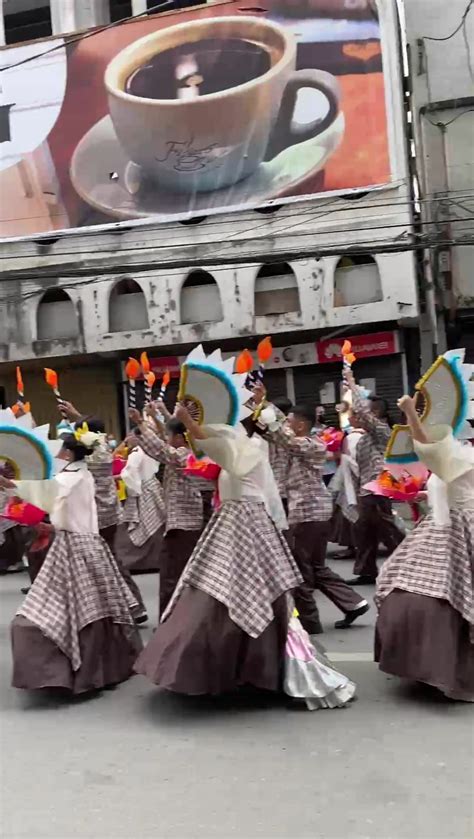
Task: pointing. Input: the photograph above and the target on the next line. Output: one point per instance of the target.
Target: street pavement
(136, 763)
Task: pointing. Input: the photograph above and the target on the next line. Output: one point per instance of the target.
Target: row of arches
(276, 292)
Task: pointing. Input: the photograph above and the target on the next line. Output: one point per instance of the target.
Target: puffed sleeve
(42, 494)
(443, 455)
(131, 473)
(229, 449)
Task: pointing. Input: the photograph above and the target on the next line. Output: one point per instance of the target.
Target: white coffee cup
(217, 139)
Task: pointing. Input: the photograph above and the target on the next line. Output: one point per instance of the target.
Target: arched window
(56, 316)
(357, 280)
(200, 299)
(127, 307)
(276, 290)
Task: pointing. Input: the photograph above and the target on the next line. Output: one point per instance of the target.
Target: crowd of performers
(237, 518)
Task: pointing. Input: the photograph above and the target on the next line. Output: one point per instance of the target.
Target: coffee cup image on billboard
(210, 106)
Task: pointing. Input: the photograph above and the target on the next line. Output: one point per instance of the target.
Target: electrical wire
(308, 216)
(216, 263)
(207, 243)
(353, 203)
(456, 30)
(89, 34)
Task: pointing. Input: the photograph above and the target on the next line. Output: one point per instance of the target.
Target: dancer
(227, 621)
(375, 522)
(183, 501)
(344, 489)
(100, 464)
(74, 629)
(425, 627)
(139, 537)
(309, 515)
(279, 456)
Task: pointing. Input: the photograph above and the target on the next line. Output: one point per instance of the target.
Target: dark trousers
(374, 525)
(108, 535)
(178, 546)
(11, 552)
(309, 541)
(37, 552)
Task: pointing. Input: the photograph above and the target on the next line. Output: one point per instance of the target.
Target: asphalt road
(135, 763)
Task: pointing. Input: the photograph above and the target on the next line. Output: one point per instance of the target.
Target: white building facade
(82, 301)
(441, 47)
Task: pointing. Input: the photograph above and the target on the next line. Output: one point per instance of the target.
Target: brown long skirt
(138, 558)
(108, 651)
(200, 650)
(425, 640)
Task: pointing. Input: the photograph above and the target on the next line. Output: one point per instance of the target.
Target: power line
(119, 226)
(89, 34)
(211, 242)
(456, 30)
(213, 261)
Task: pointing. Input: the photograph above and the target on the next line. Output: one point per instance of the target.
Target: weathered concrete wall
(442, 70)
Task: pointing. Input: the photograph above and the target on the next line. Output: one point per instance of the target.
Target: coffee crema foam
(200, 68)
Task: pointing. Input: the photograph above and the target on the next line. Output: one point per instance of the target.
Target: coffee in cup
(209, 66)
(198, 106)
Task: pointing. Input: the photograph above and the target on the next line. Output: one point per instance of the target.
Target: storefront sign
(160, 365)
(363, 346)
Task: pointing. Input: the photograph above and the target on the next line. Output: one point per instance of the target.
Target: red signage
(363, 346)
(164, 363)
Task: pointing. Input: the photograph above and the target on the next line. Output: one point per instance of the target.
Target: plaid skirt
(145, 514)
(244, 562)
(436, 561)
(79, 583)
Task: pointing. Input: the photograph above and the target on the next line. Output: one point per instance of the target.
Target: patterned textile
(79, 583)
(242, 561)
(437, 561)
(182, 494)
(280, 463)
(5, 524)
(108, 506)
(308, 497)
(145, 513)
(371, 447)
(349, 512)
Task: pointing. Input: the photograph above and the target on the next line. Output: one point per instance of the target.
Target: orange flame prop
(244, 362)
(19, 382)
(132, 369)
(145, 363)
(265, 350)
(26, 406)
(150, 379)
(51, 378)
(347, 353)
(165, 380)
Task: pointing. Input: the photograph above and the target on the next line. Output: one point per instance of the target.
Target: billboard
(182, 115)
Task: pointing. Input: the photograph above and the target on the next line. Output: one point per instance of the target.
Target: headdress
(448, 395)
(211, 391)
(89, 439)
(27, 450)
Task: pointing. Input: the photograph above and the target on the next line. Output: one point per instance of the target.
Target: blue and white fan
(448, 392)
(211, 391)
(26, 449)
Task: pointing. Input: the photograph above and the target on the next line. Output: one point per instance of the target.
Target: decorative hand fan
(447, 391)
(211, 391)
(28, 451)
